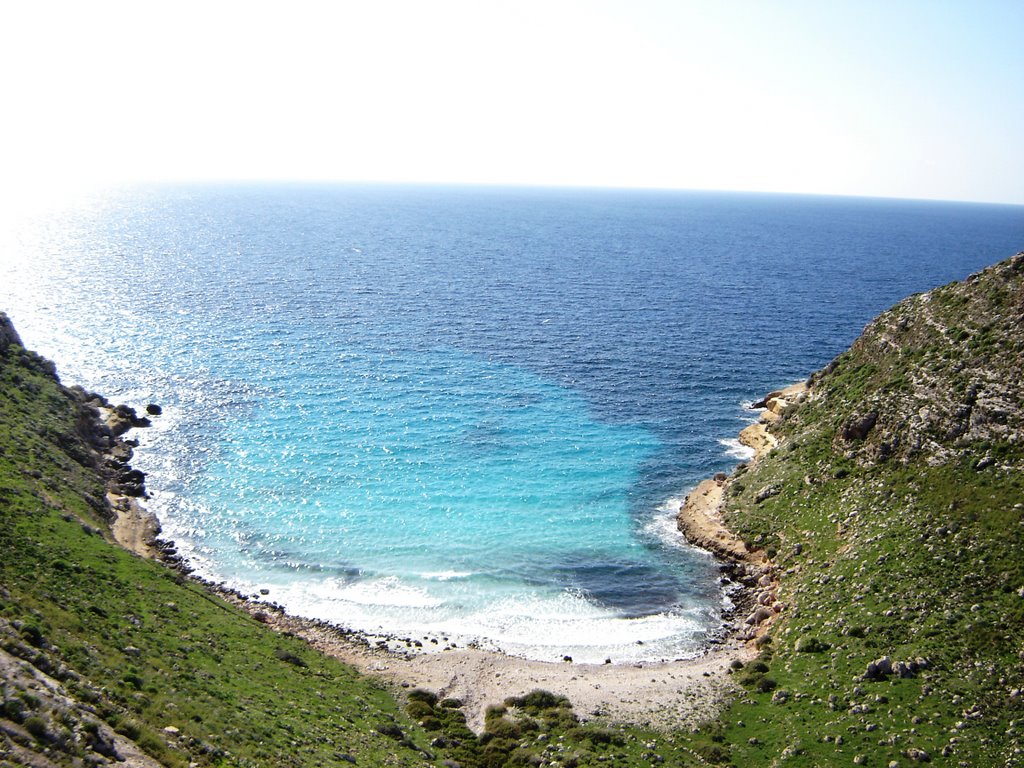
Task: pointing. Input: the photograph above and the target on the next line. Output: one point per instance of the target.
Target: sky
(901, 98)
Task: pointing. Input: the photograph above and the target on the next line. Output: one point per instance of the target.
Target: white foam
(538, 625)
(737, 450)
(663, 526)
(446, 575)
(549, 628)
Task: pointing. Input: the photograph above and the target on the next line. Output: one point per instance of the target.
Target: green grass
(918, 563)
(145, 647)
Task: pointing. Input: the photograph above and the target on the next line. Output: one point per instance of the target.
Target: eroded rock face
(858, 427)
(948, 360)
(122, 418)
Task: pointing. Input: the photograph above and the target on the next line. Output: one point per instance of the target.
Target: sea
(464, 415)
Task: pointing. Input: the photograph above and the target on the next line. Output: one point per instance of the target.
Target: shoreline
(701, 523)
(660, 695)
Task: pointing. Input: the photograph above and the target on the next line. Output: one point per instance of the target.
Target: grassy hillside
(105, 655)
(894, 510)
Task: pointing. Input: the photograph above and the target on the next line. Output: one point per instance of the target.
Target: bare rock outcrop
(8, 335)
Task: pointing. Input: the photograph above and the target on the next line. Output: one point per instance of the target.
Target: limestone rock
(879, 669)
(858, 427)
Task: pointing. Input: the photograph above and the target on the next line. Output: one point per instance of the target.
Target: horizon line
(311, 181)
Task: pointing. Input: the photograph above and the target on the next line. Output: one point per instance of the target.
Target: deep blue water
(465, 411)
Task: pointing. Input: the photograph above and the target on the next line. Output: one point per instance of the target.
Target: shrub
(430, 724)
(604, 736)
(133, 680)
(12, 709)
(502, 728)
(537, 699)
(129, 729)
(494, 711)
(33, 635)
(289, 657)
(713, 753)
(766, 684)
(811, 645)
(388, 728)
(151, 744)
(36, 726)
(425, 696)
(419, 709)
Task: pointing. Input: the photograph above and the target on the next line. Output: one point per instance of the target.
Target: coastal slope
(878, 533)
(891, 512)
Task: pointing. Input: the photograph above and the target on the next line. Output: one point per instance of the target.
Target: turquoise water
(513, 487)
(457, 412)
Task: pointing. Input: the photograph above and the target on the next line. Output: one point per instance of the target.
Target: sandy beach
(664, 695)
(660, 695)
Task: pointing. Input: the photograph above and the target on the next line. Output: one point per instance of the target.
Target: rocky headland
(700, 521)
(883, 510)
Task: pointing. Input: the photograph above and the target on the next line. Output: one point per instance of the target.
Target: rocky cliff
(936, 376)
(891, 509)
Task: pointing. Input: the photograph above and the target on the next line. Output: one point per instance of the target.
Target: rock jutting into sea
(700, 521)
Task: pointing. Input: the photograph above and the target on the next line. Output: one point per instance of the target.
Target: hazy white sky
(892, 98)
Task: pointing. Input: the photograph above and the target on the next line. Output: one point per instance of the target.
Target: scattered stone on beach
(759, 616)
